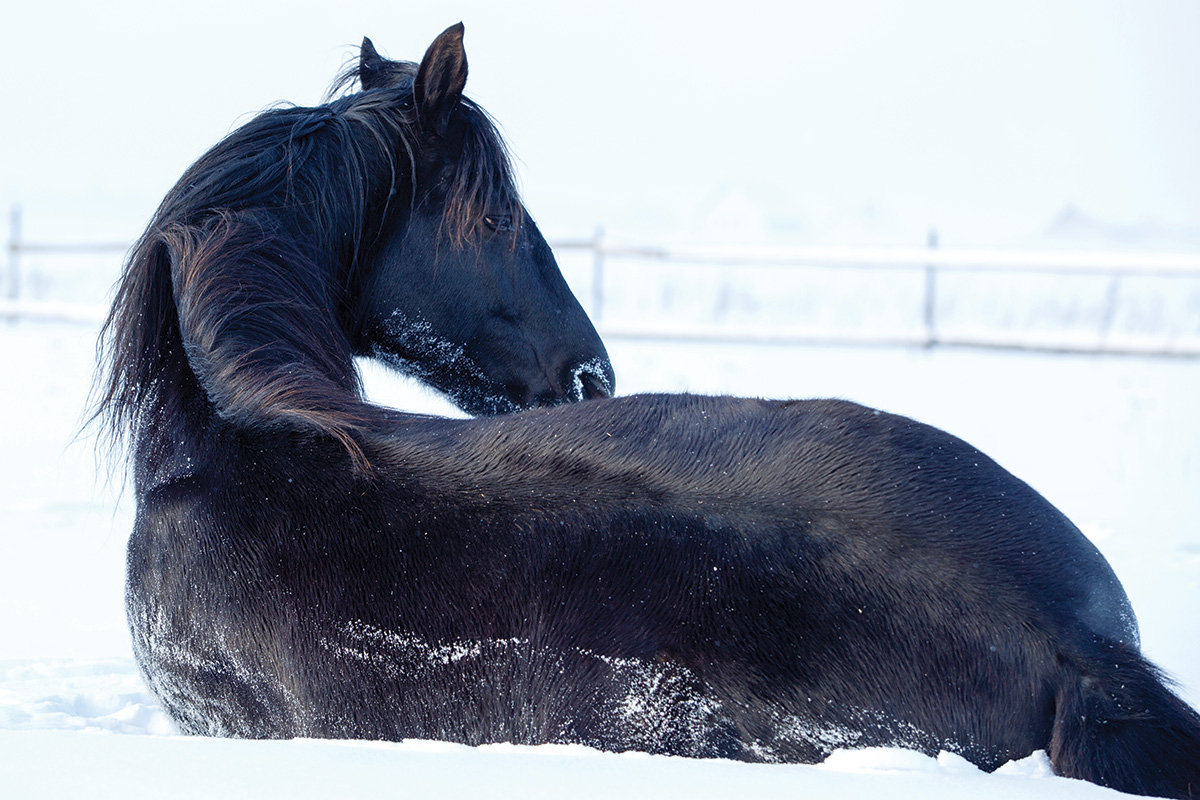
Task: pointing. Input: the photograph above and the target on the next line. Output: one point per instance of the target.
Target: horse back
(740, 571)
(877, 487)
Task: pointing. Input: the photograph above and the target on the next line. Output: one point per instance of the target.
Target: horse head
(384, 223)
(462, 290)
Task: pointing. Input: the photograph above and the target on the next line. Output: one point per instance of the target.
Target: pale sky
(798, 122)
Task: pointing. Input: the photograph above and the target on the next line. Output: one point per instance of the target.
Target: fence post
(931, 293)
(13, 284)
(1111, 297)
(12, 287)
(597, 274)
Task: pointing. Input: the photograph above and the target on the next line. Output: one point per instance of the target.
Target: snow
(1114, 442)
(187, 768)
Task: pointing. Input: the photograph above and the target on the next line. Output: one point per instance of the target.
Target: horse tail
(1118, 725)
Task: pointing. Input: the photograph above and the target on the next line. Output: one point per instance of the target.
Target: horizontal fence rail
(930, 267)
(1100, 262)
(929, 282)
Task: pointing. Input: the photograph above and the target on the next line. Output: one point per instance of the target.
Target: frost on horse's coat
(702, 576)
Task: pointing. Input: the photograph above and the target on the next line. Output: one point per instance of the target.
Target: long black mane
(250, 268)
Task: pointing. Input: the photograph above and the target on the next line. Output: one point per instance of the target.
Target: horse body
(714, 577)
(791, 608)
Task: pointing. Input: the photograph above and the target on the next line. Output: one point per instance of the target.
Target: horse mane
(245, 284)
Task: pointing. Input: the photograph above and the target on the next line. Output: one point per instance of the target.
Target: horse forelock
(482, 182)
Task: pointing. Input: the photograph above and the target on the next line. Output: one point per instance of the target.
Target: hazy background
(1010, 123)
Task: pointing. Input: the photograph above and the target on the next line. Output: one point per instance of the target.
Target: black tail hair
(1119, 725)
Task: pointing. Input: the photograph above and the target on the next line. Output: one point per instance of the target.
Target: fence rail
(931, 266)
(1098, 262)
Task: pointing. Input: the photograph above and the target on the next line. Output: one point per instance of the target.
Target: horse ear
(440, 80)
(370, 65)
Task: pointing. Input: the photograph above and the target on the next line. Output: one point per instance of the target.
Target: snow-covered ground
(1114, 442)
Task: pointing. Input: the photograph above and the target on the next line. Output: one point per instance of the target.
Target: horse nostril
(590, 381)
(593, 387)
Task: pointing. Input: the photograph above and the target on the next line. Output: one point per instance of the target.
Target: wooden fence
(1125, 295)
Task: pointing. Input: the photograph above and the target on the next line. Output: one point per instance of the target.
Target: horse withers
(711, 577)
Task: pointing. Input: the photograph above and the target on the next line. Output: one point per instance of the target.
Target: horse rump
(1118, 725)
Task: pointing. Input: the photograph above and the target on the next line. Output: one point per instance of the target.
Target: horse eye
(500, 222)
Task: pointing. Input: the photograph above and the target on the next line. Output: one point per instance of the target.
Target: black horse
(703, 576)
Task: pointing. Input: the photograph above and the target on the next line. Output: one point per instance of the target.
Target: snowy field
(1114, 442)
